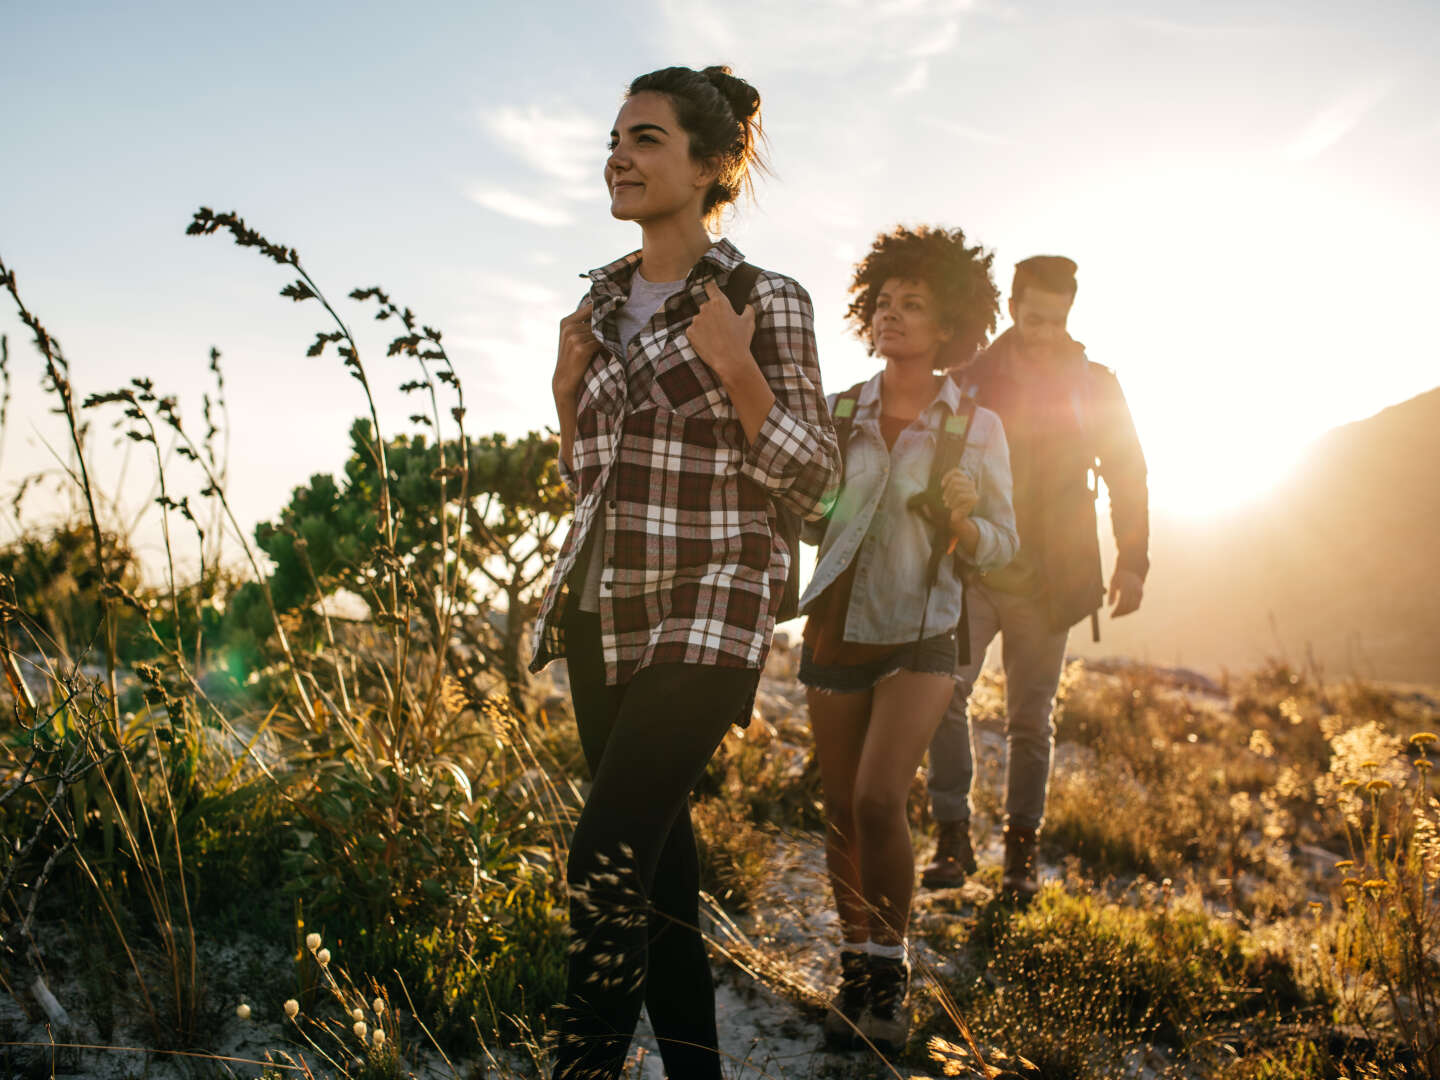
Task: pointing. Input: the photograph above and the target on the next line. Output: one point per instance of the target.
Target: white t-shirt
(645, 299)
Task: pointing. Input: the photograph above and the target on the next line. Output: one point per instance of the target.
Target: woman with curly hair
(926, 485)
(688, 432)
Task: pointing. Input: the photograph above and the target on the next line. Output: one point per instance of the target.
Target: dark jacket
(1060, 428)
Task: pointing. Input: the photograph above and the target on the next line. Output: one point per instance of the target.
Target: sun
(1213, 294)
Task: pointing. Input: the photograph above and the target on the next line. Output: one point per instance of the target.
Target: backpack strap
(843, 420)
(844, 415)
(741, 285)
(954, 436)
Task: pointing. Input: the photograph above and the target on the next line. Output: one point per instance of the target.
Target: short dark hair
(721, 114)
(1052, 273)
(959, 276)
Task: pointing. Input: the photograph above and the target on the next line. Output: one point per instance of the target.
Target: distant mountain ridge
(1341, 561)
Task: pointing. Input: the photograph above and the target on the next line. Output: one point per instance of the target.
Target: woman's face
(906, 325)
(650, 173)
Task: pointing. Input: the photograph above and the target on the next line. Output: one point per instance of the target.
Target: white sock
(889, 952)
(855, 946)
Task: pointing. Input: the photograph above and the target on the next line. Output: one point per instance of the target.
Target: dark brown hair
(958, 275)
(1052, 273)
(721, 114)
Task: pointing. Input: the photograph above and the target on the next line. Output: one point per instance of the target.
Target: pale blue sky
(1248, 189)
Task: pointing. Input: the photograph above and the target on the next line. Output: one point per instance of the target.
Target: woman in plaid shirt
(685, 429)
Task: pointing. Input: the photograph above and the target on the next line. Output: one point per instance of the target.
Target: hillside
(1340, 560)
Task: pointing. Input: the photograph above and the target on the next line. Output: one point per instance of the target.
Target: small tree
(518, 507)
(328, 537)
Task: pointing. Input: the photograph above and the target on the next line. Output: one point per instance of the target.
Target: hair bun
(744, 99)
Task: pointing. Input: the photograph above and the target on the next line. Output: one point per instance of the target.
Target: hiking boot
(843, 1014)
(954, 859)
(886, 1022)
(1019, 879)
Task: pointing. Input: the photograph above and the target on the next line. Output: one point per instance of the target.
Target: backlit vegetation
(297, 782)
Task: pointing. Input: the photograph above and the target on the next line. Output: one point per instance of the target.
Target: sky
(1248, 190)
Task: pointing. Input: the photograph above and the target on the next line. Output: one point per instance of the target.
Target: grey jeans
(1033, 656)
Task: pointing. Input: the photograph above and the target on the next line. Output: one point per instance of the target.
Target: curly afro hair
(958, 275)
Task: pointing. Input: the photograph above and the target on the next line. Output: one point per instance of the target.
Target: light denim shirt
(871, 521)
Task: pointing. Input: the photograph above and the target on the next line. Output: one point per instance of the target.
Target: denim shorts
(933, 656)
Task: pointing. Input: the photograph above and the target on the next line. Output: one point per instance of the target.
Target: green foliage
(499, 523)
(416, 866)
(327, 536)
(51, 577)
(360, 773)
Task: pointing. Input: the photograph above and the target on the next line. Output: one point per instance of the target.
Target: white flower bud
(243, 1011)
(379, 1006)
(360, 1029)
(378, 1038)
(312, 941)
(323, 956)
(357, 1013)
(292, 1007)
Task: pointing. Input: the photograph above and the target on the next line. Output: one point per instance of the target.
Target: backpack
(1082, 400)
(787, 522)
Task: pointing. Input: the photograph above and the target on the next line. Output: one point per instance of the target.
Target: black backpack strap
(954, 436)
(741, 285)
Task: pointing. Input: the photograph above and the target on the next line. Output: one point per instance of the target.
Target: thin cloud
(915, 81)
(938, 44)
(1332, 123)
(564, 146)
(973, 134)
(520, 207)
(839, 35)
(1177, 28)
(518, 291)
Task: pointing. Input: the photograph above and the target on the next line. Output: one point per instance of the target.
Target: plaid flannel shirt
(693, 566)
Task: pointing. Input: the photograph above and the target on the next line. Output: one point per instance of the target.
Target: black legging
(634, 875)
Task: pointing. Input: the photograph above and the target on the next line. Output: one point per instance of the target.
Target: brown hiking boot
(954, 857)
(1019, 880)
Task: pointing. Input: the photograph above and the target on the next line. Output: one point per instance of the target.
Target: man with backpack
(1067, 425)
